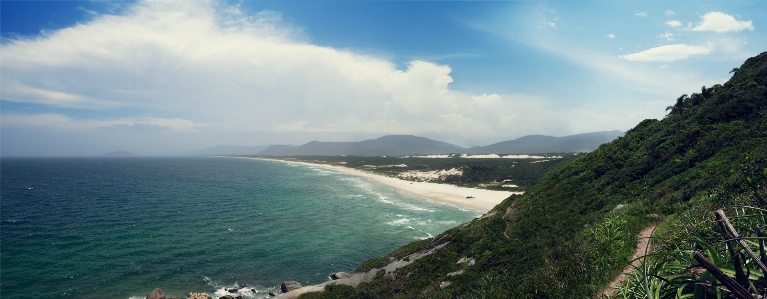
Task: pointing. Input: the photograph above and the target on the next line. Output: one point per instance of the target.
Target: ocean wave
(244, 290)
(399, 222)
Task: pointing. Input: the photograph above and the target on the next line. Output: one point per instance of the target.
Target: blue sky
(169, 77)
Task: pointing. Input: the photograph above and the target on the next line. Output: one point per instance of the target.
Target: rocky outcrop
(339, 275)
(359, 277)
(156, 294)
(288, 286)
(468, 260)
(226, 297)
(197, 296)
(456, 273)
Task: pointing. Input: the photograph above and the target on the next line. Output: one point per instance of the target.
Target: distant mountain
(390, 145)
(532, 144)
(119, 154)
(230, 150)
(277, 150)
(402, 145)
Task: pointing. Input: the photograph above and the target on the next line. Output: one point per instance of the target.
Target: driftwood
(731, 234)
(736, 289)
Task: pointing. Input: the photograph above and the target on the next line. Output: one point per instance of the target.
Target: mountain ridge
(402, 145)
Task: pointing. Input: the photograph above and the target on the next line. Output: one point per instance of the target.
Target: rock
(468, 260)
(202, 295)
(288, 286)
(226, 297)
(238, 297)
(444, 284)
(233, 290)
(156, 294)
(253, 290)
(451, 274)
(655, 217)
(271, 293)
(339, 275)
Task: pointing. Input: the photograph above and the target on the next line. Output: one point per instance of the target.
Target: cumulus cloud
(720, 22)
(669, 12)
(668, 53)
(610, 35)
(201, 67)
(667, 36)
(641, 14)
(674, 23)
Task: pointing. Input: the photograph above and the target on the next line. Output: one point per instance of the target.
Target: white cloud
(59, 121)
(668, 53)
(669, 12)
(551, 24)
(199, 67)
(674, 23)
(610, 35)
(667, 36)
(720, 22)
(641, 14)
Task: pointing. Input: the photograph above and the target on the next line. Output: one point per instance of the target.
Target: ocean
(120, 227)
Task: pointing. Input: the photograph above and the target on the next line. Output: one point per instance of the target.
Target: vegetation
(482, 173)
(574, 231)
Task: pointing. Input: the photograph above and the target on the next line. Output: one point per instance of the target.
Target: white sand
(484, 200)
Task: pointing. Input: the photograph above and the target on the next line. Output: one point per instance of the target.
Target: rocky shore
(293, 289)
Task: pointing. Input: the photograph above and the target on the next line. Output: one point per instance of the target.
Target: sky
(168, 77)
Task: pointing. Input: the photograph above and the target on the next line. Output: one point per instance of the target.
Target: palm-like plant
(727, 268)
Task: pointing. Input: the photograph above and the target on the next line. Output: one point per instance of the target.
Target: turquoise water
(119, 227)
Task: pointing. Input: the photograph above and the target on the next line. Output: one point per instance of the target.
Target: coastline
(484, 200)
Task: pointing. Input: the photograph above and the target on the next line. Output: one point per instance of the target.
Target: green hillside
(571, 233)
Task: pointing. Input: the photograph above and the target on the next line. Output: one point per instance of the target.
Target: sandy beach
(484, 200)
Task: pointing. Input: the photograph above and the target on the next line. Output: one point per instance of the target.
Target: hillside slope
(575, 230)
(533, 144)
(390, 145)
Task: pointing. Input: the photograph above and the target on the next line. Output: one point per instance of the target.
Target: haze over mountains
(401, 145)
(230, 150)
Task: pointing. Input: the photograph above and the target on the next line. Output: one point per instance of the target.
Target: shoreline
(484, 200)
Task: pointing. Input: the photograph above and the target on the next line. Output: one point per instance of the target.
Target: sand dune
(484, 200)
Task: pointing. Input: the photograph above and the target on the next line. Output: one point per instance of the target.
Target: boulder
(655, 217)
(339, 275)
(156, 294)
(468, 260)
(288, 286)
(451, 274)
(197, 296)
(233, 290)
(271, 293)
(444, 284)
(238, 297)
(226, 297)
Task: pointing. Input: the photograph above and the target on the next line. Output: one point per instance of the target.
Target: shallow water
(119, 227)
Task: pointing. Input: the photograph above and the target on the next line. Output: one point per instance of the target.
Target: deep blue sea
(119, 227)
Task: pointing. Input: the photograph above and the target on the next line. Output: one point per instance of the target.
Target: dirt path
(642, 247)
(509, 210)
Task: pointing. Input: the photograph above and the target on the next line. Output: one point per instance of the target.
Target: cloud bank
(203, 67)
(188, 58)
(720, 22)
